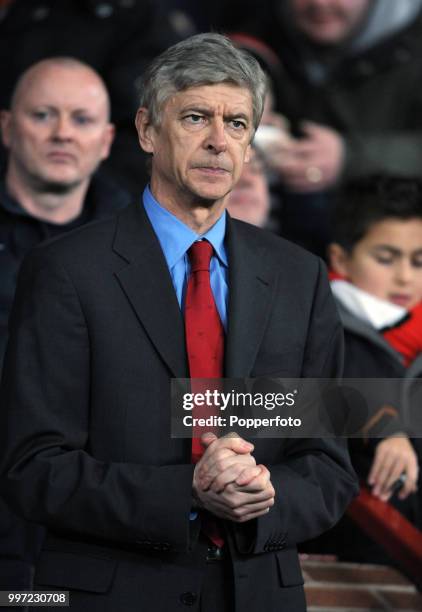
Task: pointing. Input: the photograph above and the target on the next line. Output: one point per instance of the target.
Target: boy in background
(376, 263)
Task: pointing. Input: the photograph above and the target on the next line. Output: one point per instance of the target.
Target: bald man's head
(43, 67)
(57, 130)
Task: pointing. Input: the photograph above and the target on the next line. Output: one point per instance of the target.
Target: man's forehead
(61, 85)
(231, 98)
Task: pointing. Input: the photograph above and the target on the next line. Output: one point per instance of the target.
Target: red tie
(204, 332)
(205, 348)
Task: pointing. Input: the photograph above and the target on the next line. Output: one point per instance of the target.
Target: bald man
(57, 131)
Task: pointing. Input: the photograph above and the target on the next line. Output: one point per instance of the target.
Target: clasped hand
(228, 483)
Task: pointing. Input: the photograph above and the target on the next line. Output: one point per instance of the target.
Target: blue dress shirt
(176, 238)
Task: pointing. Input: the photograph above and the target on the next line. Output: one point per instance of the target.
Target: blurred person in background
(118, 38)
(56, 132)
(249, 200)
(348, 90)
(376, 279)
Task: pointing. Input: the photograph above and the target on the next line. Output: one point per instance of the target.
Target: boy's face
(387, 262)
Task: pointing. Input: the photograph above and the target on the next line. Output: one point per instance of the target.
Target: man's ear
(145, 130)
(5, 120)
(338, 259)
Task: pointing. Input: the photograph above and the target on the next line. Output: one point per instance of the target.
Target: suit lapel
(252, 284)
(148, 286)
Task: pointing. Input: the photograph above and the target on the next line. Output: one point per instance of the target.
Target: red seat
(391, 530)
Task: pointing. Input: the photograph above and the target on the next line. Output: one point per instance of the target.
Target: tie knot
(200, 254)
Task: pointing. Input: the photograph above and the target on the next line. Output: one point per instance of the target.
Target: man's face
(57, 131)
(328, 22)
(200, 146)
(387, 262)
(250, 199)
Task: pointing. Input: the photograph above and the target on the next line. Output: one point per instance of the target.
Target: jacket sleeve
(313, 478)
(48, 473)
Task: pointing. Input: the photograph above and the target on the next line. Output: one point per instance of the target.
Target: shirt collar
(175, 237)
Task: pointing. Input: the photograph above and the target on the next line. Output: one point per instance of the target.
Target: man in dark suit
(98, 331)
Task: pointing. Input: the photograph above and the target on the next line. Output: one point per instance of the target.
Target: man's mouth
(213, 170)
(60, 156)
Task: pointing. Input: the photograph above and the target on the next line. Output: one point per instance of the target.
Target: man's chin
(207, 198)
(56, 186)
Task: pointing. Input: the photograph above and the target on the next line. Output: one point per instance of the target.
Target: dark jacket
(19, 232)
(369, 355)
(93, 459)
(19, 542)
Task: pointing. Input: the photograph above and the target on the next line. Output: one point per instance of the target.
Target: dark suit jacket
(96, 335)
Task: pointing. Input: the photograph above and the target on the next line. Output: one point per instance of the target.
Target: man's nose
(216, 139)
(62, 128)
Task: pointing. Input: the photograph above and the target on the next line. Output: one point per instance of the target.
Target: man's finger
(208, 438)
(225, 469)
(253, 508)
(236, 498)
(229, 475)
(259, 483)
(231, 441)
(248, 476)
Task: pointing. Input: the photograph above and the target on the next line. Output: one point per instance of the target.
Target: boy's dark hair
(366, 201)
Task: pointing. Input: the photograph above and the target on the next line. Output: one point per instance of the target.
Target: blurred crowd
(336, 167)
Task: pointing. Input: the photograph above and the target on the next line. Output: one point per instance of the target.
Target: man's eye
(417, 262)
(194, 119)
(82, 119)
(237, 124)
(40, 115)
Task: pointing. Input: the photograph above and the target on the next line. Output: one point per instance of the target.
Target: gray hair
(203, 59)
